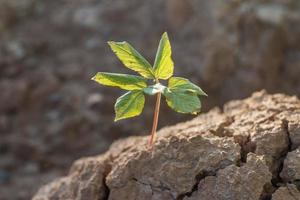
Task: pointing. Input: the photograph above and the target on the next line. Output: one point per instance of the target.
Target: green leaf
(183, 102)
(132, 58)
(182, 95)
(130, 104)
(182, 84)
(163, 65)
(154, 89)
(123, 81)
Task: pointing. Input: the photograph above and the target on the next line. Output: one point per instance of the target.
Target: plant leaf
(182, 84)
(183, 102)
(123, 81)
(132, 59)
(163, 65)
(130, 104)
(154, 89)
(182, 95)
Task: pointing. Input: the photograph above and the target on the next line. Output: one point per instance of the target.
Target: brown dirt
(247, 151)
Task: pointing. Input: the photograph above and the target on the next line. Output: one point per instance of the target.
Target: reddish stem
(155, 120)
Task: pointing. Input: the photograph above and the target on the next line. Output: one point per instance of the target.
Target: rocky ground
(50, 111)
(250, 150)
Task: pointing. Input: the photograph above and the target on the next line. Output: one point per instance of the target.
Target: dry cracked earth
(250, 150)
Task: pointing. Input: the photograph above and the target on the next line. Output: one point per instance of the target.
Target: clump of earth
(250, 150)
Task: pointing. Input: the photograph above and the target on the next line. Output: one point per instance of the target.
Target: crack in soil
(107, 171)
(277, 180)
(198, 178)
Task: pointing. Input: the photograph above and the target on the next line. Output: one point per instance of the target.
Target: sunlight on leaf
(130, 104)
(163, 65)
(132, 58)
(183, 102)
(123, 81)
(183, 84)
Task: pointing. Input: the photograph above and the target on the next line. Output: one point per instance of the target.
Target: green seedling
(180, 94)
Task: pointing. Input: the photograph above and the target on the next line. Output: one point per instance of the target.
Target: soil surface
(250, 150)
(50, 111)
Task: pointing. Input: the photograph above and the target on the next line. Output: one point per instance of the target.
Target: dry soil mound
(248, 151)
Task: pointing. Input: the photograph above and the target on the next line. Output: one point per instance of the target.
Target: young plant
(181, 95)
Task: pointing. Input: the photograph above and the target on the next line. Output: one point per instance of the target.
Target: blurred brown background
(52, 113)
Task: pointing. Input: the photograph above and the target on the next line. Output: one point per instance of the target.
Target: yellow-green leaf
(183, 102)
(123, 81)
(182, 95)
(182, 84)
(163, 65)
(132, 58)
(130, 104)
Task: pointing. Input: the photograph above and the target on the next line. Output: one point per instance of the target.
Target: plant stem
(155, 120)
